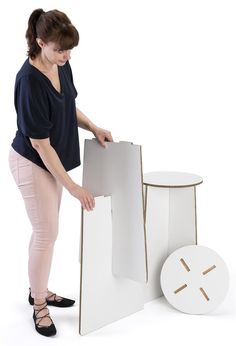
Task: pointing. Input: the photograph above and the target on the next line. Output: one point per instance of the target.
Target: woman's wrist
(71, 186)
(92, 127)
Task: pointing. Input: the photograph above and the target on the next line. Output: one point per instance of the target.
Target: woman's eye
(60, 51)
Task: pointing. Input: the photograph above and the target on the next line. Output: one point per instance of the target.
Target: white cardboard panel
(170, 224)
(182, 224)
(117, 171)
(157, 225)
(172, 179)
(104, 298)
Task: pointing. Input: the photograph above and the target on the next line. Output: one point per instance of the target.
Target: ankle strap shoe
(62, 303)
(43, 330)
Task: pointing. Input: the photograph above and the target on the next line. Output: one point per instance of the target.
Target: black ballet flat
(45, 331)
(63, 303)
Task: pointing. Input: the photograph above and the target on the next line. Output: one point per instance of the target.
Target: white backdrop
(157, 73)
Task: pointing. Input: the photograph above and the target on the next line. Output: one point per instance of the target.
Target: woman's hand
(85, 123)
(102, 135)
(86, 199)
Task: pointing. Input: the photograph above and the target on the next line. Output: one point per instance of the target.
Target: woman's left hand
(102, 136)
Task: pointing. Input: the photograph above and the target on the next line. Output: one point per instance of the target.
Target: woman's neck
(43, 64)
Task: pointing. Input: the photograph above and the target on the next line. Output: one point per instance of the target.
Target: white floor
(158, 324)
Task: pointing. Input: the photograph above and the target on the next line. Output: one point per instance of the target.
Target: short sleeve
(32, 107)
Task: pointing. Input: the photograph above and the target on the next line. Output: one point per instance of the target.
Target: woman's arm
(55, 167)
(85, 123)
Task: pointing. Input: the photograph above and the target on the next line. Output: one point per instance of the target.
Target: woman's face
(53, 54)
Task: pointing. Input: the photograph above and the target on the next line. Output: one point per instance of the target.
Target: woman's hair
(52, 26)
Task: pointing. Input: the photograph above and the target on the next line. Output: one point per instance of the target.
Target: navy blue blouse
(43, 112)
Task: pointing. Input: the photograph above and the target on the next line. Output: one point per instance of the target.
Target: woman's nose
(66, 55)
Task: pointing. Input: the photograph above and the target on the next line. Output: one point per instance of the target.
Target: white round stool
(194, 279)
(170, 218)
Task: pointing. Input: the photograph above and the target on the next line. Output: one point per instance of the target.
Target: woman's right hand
(86, 199)
(53, 163)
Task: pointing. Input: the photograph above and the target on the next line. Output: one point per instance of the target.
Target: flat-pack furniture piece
(194, 279)
(171, 220)
(117, 172)
(104, 298)
(113, 240)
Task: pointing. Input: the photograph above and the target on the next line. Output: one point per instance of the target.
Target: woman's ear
(40, 42)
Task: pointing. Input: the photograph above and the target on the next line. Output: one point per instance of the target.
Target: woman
(46, 146)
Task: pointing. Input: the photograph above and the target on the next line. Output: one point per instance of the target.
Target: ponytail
(31, 33)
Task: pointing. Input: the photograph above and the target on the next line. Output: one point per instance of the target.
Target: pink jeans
(42, 196)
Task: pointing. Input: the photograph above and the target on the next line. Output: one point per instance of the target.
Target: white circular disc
(171, 179)
(194, 279)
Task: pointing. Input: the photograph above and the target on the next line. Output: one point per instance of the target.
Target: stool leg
(157, 221)
(182, 218)
(195, 206)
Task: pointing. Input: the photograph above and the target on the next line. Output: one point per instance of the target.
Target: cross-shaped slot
(206, 271)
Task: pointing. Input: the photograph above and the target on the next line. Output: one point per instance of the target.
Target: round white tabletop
(171, 179)
(194, 279)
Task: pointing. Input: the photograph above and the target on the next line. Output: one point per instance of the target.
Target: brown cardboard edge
(144, 214)
(173, 186)
(81, 270)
